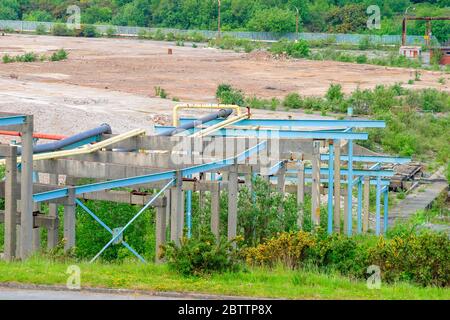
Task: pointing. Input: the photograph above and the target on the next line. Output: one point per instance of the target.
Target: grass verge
(256, 282)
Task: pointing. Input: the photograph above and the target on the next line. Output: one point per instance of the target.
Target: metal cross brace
(118, 234)
(126, 245)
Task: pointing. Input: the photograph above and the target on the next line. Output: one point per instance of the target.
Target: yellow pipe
(177, 108)
(220, 125)
(90, 148)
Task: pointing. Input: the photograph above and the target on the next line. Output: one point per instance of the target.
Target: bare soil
(113, 80)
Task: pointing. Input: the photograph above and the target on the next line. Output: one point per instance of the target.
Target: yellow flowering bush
(288, 248)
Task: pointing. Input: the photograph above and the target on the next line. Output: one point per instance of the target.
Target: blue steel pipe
(61, 144)
(222, 113)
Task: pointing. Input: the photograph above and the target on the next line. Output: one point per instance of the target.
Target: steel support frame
(115, 237)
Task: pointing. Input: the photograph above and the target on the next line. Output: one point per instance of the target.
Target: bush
(295, 49)
(289, 248)
(423, 258)
(361, 59)
(41, 29)
(8, 59)
(160, 92)
(110, 32)
(201, 256)
(226, 94)
(341, 253)
(27, 57)
(61, 29)
(59, 55)
(293, 100)
(334, 93)
(89, 31)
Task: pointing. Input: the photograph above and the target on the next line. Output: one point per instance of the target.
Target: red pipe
(35, 135)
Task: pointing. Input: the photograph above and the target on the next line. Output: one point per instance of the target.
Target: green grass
(257, 282)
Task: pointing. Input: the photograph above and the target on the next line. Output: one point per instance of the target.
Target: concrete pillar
(315, 193)
(337, 186)
(177, 210)
(167, 194)
(281, 179)
(52, 234)
(160, 230)
(69, 220)
(366, 204)
(215, 210)
(11, 197)
(36, 231)
(232, 201)
(300, 194)
(26, 203)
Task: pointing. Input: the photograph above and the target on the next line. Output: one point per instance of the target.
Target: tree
(9, 10)
(346, 19)
(135, 13)
(273, 20)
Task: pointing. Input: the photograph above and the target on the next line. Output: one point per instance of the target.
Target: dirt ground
(113, 80)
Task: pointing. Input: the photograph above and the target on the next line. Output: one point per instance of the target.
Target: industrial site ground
(113, 81)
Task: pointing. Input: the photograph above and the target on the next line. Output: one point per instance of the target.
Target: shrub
(293, 100)
(361, 59)
(27, 57)
(159, 35)
(295, 49)
(142, 34)
(341, 253)
(226, 94)
(423, 258)
(264, 212)
(201, 256)
(364, 43)
(170, 36)
(89, 31)
(110, 32)
(61, 29)
(289, 248)
(160, 92)
(8, 59)
(334, 93)
(41, 29)
(59, 55)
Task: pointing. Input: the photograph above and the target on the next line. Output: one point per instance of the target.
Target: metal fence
(30, 26)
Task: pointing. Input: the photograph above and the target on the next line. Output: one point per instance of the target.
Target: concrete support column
(315, 193)
(11, 197)
(26, 203)
(300, 194)
(337, 186)
(232, 201)
(69, 220)
(366, 204)
(215, 210)
(160, 231)
(36, 231)
(52, 234)
(177, 210)
(281, 179)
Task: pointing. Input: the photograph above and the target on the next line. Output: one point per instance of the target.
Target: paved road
(40, 294)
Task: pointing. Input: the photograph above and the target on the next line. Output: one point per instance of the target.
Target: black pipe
(222, 113)
(58, 145)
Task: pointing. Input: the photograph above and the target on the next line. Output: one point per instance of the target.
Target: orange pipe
(35, 135)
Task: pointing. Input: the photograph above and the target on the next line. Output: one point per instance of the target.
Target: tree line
(338, 16)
